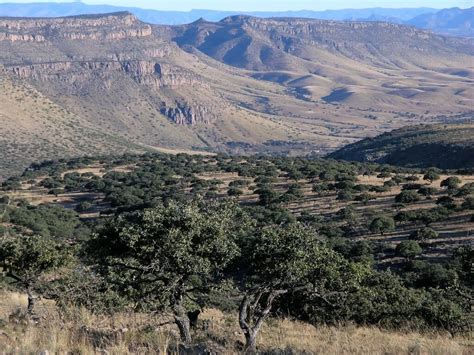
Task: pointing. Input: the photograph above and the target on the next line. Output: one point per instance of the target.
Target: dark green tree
(234, 191)
(409, 249)
(468, 203)
(407, 196)
(158, 258)
(451, 182)
(446, 201)
(382, 225)
(423, 234)
(275, 261)
(25, 261)
(431, 175)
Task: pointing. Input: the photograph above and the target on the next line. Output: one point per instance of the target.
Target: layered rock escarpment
(98, 27)
(145, 72)
(84, 55)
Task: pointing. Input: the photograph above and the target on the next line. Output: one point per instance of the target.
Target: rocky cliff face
(183, 114)
(91, 54)
(151, 73)
(100, 27)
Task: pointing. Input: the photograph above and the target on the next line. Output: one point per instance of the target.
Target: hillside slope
(115, 74)
(376, 68)
(35, 127)
(442, 146)
(242, 85)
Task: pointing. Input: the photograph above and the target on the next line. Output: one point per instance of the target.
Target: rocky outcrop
(38, 71)
(11, 37)
(151, 73)
(183, 114)
(98, 27)
(159, 75)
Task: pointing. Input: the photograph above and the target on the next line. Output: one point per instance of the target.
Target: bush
(466, 190)
(446, 201)
(382, 224)
(427, 191)
(344, 195)
(320, 188)
(84, 206)
(451, 182)
(424, 234)
(408, 196)
(365, 197)
(431, 175)
(267, 195)
(468, 203)
(409, 249)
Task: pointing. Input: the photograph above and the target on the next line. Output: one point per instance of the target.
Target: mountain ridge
(454, 22)
(299, 88)
(395, 15)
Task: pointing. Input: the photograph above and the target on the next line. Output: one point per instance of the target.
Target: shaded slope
(442, 146)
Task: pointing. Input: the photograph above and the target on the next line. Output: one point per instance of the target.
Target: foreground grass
(80, 332)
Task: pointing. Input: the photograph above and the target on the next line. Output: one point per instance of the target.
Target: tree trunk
(182, 320)
(31, 303)
(250, 342)
(251, 323)
(184, 328)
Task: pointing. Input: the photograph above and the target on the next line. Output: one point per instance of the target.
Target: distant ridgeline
(442, 146)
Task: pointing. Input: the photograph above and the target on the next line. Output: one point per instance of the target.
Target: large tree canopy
(158, 257)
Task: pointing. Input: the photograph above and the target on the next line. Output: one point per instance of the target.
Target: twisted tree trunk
(182, 320)
(184, 329)
(247, 316)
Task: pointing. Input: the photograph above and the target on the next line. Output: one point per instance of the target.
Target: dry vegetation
(293, 101)
(79, 331)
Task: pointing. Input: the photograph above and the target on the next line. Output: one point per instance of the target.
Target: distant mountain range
(180, 17)
(454, 21)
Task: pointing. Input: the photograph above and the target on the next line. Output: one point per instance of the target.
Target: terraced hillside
(241, 85)
(442, 146)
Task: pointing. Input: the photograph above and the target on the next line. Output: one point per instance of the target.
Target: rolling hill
(442, 146)
(241, 85)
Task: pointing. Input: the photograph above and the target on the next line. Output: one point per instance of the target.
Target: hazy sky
(270, 5)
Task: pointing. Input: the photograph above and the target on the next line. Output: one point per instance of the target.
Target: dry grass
(83, 333)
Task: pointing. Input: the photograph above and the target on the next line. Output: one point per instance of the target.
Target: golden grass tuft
(80, 332)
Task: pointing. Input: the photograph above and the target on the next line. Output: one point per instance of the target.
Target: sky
(269, 5)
